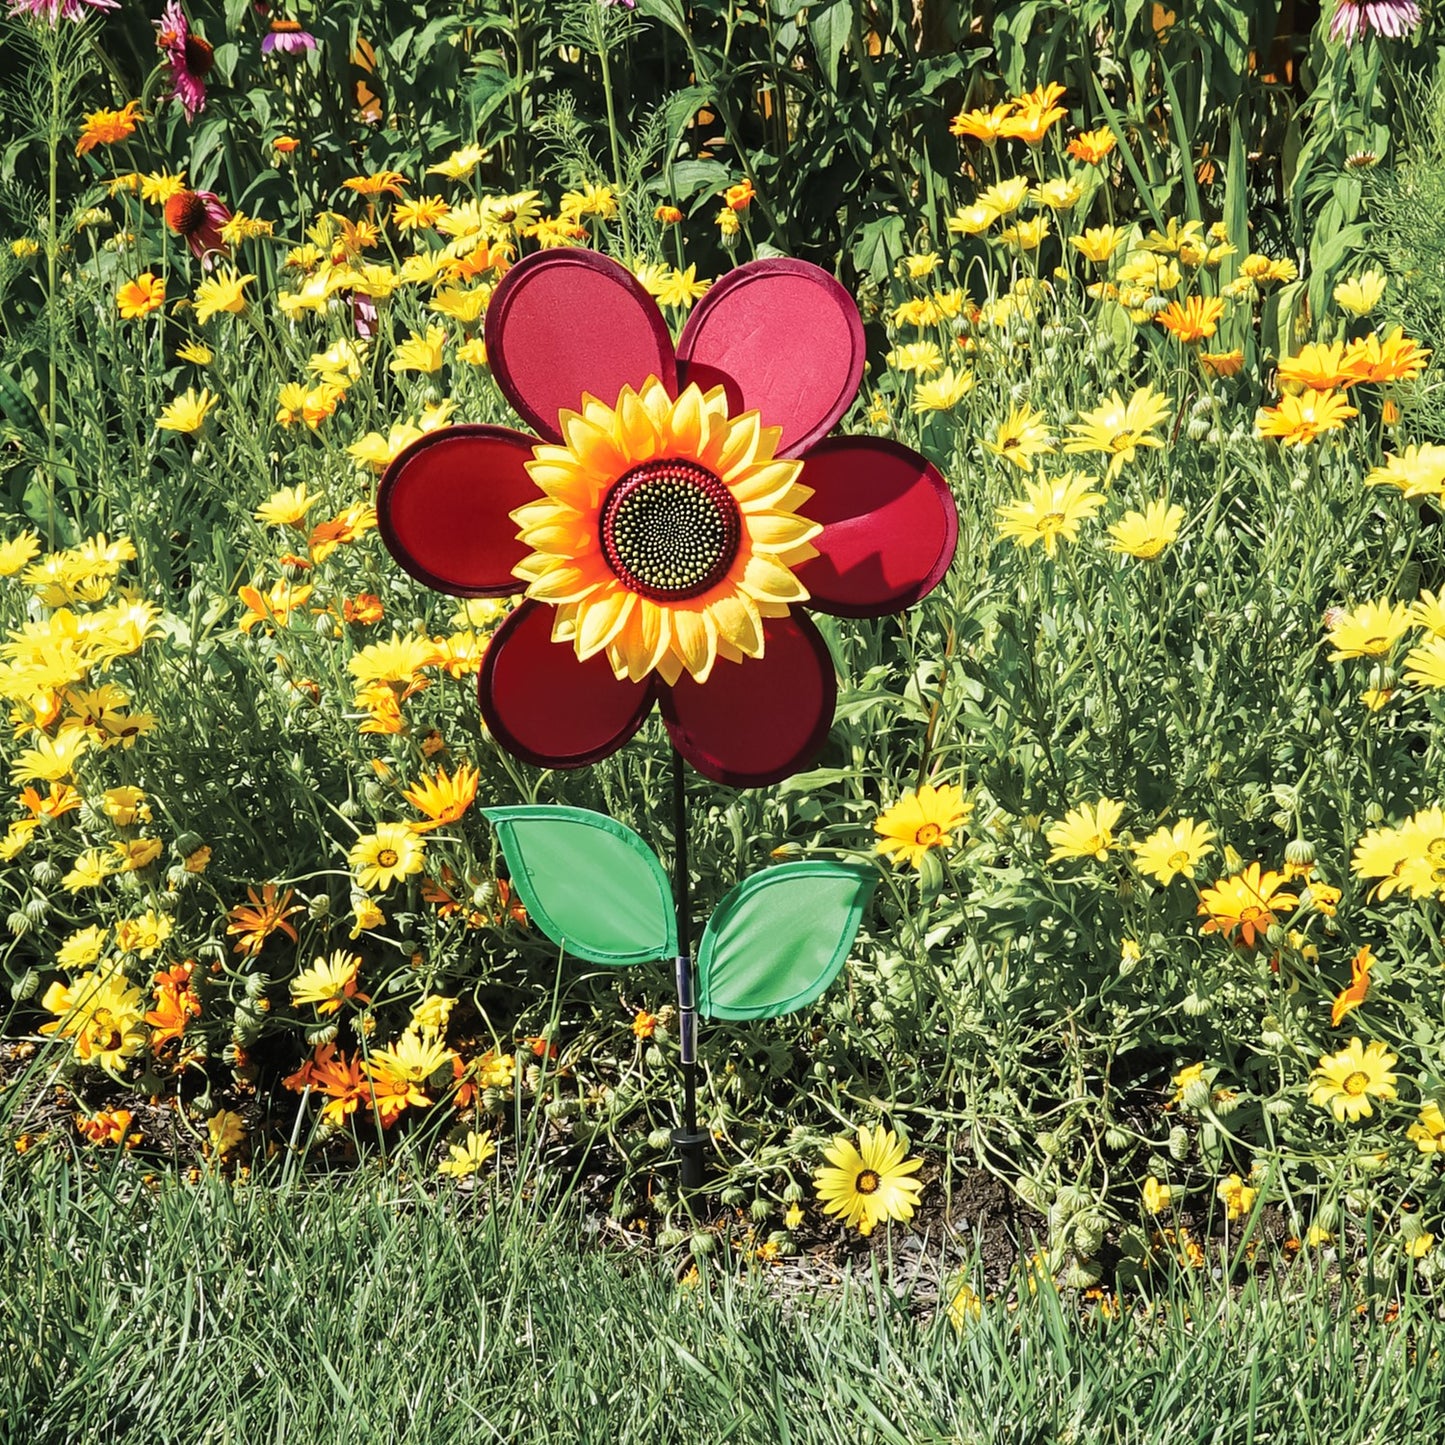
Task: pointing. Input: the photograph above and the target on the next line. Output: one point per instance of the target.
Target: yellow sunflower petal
(766, 581)
(603, 620)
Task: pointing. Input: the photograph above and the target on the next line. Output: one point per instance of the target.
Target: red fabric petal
(442, 508)
(889, 527)
(547, 708)
(784, 337)
(760, 720)
(564, 322)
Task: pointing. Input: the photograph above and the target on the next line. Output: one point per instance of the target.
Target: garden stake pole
(690, 1140)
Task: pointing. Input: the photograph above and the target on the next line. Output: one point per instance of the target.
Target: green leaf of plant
(588, 882)
(779, 938)
(828, 28)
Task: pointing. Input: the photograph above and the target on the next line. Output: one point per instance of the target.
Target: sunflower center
(928, 835)
(1356, 1083)
(387, 857)
(1179, 861)
(867, 1182)
(670, 529)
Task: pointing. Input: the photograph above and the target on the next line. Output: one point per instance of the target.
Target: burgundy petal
(564, 322)
(784, 337)
(442, 508)
(760, 720)
(889, 527)
(547, 708)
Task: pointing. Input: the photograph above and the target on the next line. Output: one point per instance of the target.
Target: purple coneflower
(190, 57)
(1355, 19)
(288, 37)
(199, 216)
(57, 10)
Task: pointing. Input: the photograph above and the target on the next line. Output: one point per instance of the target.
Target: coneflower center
(867, 1182)
(670, 529)
(185, 212)
(200, 56)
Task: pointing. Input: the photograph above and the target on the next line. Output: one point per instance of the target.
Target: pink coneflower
(1355, 19)
(199, 216)
(57, 10)
(190, 57)
(287, 37)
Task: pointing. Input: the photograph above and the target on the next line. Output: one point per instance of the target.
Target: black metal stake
(691, 1142)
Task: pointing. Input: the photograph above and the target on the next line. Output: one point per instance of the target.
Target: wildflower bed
(1152, 778)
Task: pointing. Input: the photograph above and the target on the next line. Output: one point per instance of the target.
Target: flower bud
(1279, 1108)
(319, 908)
(37, 908)
(794, 1193)
(659, 1139)
(322, 1034)
(1299, 853)
(1194, 1005)
(1276, 935)
(1084, 1274)
(1088, 1234)
(1117, 1138)
(1196, 1095)
(732, 1197)
(1179, 1143)
(670, 1238)
(702, 1244)
(760, 1209)
(27, 985)
(46, 874)
(18, 923)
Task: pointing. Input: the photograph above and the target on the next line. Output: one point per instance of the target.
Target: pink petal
(889, 527)
(443, 506)
(784, 337)
(547, 708)
(565, 322)
(760, 720)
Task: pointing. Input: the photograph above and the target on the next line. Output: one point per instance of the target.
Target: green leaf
(669, 12)
(779, 938)
(828, 29)
(588, 882)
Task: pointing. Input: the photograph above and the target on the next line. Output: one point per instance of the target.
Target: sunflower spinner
(667, 524)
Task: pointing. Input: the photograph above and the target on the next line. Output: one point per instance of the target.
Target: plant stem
(599, 37)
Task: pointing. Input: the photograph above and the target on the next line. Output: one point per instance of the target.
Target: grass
(369, 1307)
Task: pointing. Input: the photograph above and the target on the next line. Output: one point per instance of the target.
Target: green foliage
(287, 690)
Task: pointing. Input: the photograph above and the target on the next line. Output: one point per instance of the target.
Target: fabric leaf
(780, 938)
(588, 882)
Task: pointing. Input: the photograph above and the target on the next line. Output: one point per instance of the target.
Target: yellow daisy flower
(1344, 1082)
(1086, 831)
(1146, 534)
(1051, 508)
(1170, 853)
(390, 853)
(921, 821)
(868, 1182)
